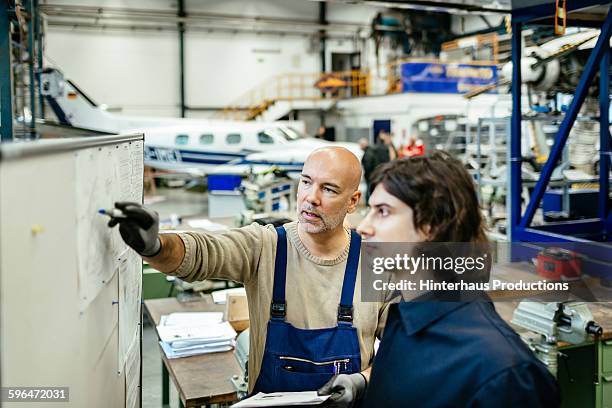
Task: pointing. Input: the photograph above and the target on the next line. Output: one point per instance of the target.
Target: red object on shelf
(412, 150)
(558, 263)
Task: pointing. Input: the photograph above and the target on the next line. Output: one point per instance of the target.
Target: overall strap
(345, 309)
(278, 308)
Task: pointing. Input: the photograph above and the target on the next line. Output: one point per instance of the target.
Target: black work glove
(345, 390)
(139, 229)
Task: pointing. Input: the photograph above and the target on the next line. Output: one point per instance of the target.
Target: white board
(63, 320)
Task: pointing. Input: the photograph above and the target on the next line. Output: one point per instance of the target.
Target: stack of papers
(282, 399)
(191, 319)
(188, 334)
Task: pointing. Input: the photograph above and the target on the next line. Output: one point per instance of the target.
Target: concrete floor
(151, 369)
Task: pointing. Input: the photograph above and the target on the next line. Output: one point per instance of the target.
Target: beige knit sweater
(246, 255)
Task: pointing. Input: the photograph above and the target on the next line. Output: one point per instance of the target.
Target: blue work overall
(301, 359)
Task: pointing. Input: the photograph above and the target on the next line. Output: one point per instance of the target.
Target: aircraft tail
(72, 106)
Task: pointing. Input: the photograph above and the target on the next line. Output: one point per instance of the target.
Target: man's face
(326, 193)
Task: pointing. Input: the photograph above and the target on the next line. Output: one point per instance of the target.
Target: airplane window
(207, 139)
(233, 138)
(265, 138)
(181, 139)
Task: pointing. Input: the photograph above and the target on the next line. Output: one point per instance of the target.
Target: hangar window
(233, 138)
(181, 139)
(265, 138)
(207, 139)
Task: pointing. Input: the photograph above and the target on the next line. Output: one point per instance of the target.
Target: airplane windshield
(284, 134)
(292, 134)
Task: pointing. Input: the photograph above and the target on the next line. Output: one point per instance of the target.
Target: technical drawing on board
(70, 289)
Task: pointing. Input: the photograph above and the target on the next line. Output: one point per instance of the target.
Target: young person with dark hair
(444, 353)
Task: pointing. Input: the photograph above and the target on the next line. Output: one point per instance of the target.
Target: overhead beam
(439, 6)
(539, 11)
(70, 14)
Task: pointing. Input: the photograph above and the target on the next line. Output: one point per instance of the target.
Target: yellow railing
(489, 40)
(298, 86)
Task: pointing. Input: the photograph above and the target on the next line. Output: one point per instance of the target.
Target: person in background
(320, 133)
(387, 140)
(438, 353)
(381, 149)
(372, 157)
(364, 144)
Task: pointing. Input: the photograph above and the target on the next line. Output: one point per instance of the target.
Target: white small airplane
(289, 158)
(190, 146)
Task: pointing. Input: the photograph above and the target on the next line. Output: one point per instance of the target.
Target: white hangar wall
(137, 72)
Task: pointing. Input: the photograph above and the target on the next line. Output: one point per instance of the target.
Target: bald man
(308, 326)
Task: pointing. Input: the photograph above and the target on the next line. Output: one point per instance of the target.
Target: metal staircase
(292, 91)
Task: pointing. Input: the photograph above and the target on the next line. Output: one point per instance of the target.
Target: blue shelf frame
(6, 88)
(592, 230)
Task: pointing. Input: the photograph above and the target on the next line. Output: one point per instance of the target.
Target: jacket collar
(422, 312)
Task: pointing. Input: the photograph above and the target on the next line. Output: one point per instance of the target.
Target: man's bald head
(328, 189)
(340, 161)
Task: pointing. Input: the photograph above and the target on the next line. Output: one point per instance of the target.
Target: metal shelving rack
(591, 230)
(20, 16)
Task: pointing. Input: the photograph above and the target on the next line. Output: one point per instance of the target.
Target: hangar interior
(206, 112)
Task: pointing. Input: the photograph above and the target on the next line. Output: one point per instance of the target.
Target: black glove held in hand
(345, 390)
(139, 229)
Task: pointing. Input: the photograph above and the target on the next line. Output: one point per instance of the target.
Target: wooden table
(199, 380)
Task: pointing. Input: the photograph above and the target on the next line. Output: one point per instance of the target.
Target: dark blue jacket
(454, 354)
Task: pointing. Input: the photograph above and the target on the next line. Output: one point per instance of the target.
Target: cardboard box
(237, 311)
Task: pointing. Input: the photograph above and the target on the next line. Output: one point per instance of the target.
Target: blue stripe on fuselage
(170, 155)
(271, 163)
(289, 167)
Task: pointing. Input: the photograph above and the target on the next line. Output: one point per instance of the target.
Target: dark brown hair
(440, 192)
